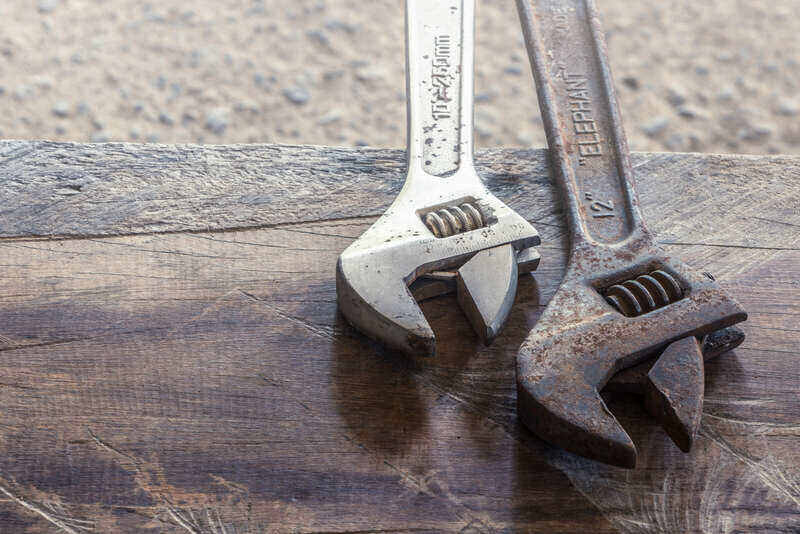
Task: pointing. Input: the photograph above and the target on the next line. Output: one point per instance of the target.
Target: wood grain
(171, 359)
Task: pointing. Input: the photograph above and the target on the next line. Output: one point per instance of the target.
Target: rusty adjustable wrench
(623, 298)
(444, 220)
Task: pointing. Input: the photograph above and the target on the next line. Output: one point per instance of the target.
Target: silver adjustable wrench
(444, 228)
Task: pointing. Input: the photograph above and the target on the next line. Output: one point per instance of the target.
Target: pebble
(525, 139)
(675, 143)
(483, 97)
(788, 108)
(247, 106)
(165, 119)
(676, 96)
(61, 109)
(257, 9)
(687, 112)
(632, 82)
(336, 24)
(655, 126)
(514, 70)
(726, 93)
(47, 6)
(23, 92)
(367, 74)
(318, 36)
(329, 118)
(332, 75)
(297, 95)
(217, 120)
(755, 133)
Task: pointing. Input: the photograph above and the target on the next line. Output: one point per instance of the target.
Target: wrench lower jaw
(675, 389)
(558, 420)
(401, 325)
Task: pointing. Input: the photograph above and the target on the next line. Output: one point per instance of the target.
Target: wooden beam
(171, 359)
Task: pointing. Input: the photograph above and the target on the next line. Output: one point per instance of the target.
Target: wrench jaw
(387, 313)
(487, 286)
(675, 389)
(558, 386)
(581, 341)
(374, 272)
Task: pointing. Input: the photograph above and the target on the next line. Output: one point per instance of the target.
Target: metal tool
(635, 379)
(623, 298)
(444, 219)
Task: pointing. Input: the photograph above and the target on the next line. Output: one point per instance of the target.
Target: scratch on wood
(182, 521)
(775, 221)
(170, 252)
(266, 245)
(111, 449)
(45, 343)
(720, 245)
(761, 427)
(37, 238)
(768, 470)
(297, 320)
(321, 234)
(159, 489)
(461, 510)
(66, 524)
(18, 154)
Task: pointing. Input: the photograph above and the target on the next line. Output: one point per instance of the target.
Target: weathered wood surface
(171, 359)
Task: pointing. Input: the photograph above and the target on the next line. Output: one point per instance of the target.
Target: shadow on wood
(171, 357)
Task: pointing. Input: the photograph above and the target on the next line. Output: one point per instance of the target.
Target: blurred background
(710, 76)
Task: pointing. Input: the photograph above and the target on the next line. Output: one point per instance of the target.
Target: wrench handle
(439, 78)
(588, 149)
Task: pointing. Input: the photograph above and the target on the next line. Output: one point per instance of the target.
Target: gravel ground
(713, 76)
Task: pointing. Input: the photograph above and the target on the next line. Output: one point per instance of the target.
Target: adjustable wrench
(444, 219)
(623, 298)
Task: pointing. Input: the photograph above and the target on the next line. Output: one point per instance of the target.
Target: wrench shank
(439, 64)
(582, 119)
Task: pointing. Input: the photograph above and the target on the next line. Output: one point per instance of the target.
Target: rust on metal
(634, 379)
(623, 298)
